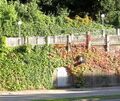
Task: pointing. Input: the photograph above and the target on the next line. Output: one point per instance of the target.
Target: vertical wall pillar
(88, 40)
(107, 39)
(118, 31)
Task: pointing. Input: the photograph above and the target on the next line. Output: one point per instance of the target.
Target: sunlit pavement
(61, 93)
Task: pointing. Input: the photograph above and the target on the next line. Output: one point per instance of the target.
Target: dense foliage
(111, 8)
(35, 22)
(93, 8)
(98, 63)
(25, 67)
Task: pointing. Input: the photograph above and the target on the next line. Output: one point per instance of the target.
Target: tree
(112, 10)
(8, 17)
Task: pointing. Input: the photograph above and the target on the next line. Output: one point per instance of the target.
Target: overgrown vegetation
(25, 67)
(28, 67)
(99, 64)
(35, 22)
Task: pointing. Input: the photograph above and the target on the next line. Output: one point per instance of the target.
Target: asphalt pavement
(30, 95)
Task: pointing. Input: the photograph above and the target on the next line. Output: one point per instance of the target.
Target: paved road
(113, 100)
(64, 93)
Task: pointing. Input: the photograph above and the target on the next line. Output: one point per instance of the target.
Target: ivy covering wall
(26, 67)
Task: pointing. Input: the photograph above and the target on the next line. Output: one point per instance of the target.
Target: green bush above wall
(35, 22)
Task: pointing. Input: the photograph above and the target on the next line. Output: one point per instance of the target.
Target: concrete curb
(59, 91)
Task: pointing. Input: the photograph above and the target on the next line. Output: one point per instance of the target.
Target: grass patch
(95, 98)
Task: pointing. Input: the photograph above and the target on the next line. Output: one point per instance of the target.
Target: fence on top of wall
(108, 42)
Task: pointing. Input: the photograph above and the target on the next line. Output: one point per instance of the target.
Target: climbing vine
(26, 67)
(98, 62)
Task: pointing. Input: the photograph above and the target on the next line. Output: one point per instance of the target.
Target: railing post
(103, 32)
(88, 40)
(107, 39)
(55, 39)
(68, 42)
(19, 41)
(37, 40)
(118, 31)
(47, 40)
(25, 40)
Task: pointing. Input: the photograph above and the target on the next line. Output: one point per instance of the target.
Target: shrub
(28, 68)
(98, 63)
(37, 23)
